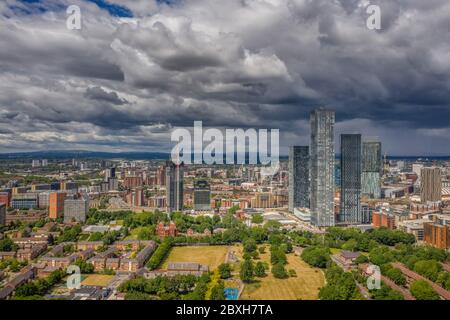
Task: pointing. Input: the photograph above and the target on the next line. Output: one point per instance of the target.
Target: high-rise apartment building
(174, 186)
(161, 176)
(350, 207)
(298, 177)
(430, 184)
(35, 163)
(44, 199)
(76, 209)
(110, 173)
(136, 198)
(133, 182)
(56, 204)
(322, 168)
(371, 169)
(202, 195)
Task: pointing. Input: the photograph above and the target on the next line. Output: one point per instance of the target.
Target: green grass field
(212, 256)
(305, 286)
(97, 280)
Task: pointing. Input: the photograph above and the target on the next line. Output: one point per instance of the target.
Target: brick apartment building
(133, 182)
(437, 234)
(56, 204)
(383, 219)
(5, 198)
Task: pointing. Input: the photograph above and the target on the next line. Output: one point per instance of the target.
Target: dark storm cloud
(97, 93)
(122, 83)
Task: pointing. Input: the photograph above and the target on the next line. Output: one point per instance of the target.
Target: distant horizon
(72, 151)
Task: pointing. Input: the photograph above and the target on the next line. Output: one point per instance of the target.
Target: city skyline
(137, 69)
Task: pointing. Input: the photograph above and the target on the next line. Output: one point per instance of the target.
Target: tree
(391, 237)
(260, 269)
(279, 271)
(340, 285)
(381, 255)
(96, 236)
(51, 239)
(350, 245)
(217, 292)
(246, 272)
(422, 290)
(361, 259)
(225, 270)
(385, 293)
(85, 267)
(316, 256)
(257, 219)
(159, 254)
(397, 276)
(145, 233)
(249, 245)
(7, 245)
(428, 268)
(277, 255)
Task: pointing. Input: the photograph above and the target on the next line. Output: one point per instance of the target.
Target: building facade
(56, 204)
(25, 201)
(202, 195)
(371, 169)
(2, 214)
(298, 177)
(322, 168)
(174, 186)
(5, 197)
(350, 206)
(437, 235)
(430, 184)
(76, 209)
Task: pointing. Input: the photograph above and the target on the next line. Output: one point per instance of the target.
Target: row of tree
(160, 253)
(36, 289)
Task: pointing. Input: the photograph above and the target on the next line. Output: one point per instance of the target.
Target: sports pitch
(212, 256)
(101, 280)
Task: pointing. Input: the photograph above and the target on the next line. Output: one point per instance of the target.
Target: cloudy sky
(137, 69)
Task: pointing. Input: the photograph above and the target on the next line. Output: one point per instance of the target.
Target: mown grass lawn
(305, 286)
(101, 280)
(212, 256)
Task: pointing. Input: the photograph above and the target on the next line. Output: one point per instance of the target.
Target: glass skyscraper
(174, 186)
(202, 195)
(350, 207)
(298, 177)
(371, 169)
(322, 168)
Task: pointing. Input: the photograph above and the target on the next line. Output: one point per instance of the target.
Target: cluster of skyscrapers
(312, 173)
